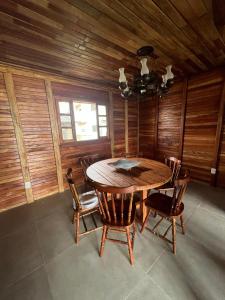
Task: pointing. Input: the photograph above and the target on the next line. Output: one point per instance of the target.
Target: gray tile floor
(39, 260)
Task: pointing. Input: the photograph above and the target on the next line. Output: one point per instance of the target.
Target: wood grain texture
(126, 124)
(34, 114)
(202, 109)
(154, 174)
(55, 133)
(132, 126)
(119, 125)
(11, 176)
(220, 163)
(92, 39)
(147, 127)
(111, 123)
(72, 151)
(19, 134)
(200, 119)
(169, 123)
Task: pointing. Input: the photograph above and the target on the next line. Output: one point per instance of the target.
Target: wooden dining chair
(169, 208)
(118, 209)
(86, 161)
(175, 165)
(83, 205)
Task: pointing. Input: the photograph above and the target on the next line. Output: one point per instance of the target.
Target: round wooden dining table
(147, 175)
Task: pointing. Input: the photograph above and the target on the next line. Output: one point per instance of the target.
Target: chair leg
(104, 231)
(145, 221)
(174, 234)
(73, 218)
(133, 234)
(77, 230)
(182, 224)
(130, 246)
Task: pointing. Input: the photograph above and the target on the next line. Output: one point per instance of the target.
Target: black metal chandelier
(148, 82)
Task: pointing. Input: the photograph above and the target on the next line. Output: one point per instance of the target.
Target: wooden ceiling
(91, 39)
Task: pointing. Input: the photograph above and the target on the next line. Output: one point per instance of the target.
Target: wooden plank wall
(197, 108)
(11, 178)
(132, 126)
(203, 102)
(35, 97)
(221, 162)
(147, 127)
(71, 152)
(169, 119)
(33, 110)
(119, 125)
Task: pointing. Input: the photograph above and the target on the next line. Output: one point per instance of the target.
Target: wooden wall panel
(147, 127)
(169, 118)
(203, 103)
(70, 155)
(194, 103)
(72, 151)
(11, 178)
(119, 125)
(221, 162)
(34, 115)
(132, 126)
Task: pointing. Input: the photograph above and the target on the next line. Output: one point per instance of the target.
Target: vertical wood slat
(218, 135)
(19, 133)
(156, 126)
(55, 133)
(183, 116)
(138, 124)
(111, 127)
(126, 126)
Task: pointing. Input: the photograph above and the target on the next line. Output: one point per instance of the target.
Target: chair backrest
(116, 203)
(174, 164)
(73, 189)
(180, 189)
(85, 162)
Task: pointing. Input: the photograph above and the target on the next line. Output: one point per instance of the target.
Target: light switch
(213, 171)
(27, 185)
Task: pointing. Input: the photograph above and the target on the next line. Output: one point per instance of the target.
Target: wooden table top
(148, 174)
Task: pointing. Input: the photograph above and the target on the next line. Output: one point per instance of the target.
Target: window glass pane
(102, 121)
(67, 133)
(102, 110)
(65, 121)
(85, 121)
(103, 131)
(64, 107)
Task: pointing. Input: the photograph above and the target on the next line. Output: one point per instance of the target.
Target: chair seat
(163, 203)
(88, 200)
(119, 222)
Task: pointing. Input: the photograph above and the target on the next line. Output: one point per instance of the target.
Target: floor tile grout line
(35, 269)
(155, 261)
(146, 274)
(25, 276)
(18, 230)
(39, 244)
(164, 292)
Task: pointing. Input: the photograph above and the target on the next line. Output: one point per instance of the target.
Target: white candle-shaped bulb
(164, 78)
(122, 77)
(169, 73)
(144, 67)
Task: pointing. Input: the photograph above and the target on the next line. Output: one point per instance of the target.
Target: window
(82, 121)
